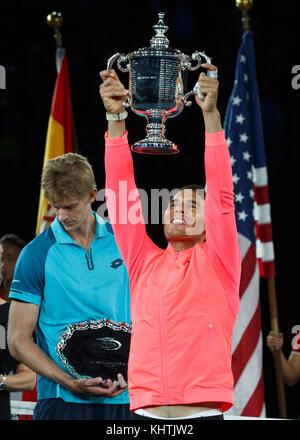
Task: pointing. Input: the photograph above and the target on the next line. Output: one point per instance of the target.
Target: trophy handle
(186, 63)
(121, 59)
(197, 56)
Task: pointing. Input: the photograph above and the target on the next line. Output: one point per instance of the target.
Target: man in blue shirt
(71, 285)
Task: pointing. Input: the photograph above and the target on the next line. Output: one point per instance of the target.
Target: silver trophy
(156, 87)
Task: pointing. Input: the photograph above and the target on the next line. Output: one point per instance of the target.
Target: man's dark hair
(192, 186)
(13, 239)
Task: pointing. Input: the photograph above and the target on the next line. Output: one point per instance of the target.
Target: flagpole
(245, 6)
(55, 21)
(276, 353)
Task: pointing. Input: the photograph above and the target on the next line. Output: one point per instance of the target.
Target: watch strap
(116, 116)
(3, 382)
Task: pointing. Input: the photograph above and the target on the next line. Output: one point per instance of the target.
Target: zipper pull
(89, 260)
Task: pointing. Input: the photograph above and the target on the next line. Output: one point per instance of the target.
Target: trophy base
(162, 147)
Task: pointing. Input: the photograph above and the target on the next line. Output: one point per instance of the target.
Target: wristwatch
(116, 116)
(3, 382)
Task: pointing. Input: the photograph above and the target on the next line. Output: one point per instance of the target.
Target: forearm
(27, 352)
(212, 121)
(22, 380)
(116, 129)
(218, 169)
(289, 373)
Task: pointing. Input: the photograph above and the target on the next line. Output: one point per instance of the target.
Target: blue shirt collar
(63, 237)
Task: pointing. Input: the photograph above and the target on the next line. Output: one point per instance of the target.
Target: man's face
(73, 213)
(10, 254)
(184, 217)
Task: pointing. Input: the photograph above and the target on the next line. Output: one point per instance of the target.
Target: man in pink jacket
(184, 299)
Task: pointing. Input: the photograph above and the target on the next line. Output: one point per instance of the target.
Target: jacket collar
(62, 237)
(173, 253)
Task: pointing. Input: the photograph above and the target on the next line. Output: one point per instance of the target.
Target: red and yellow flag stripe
(59, 135)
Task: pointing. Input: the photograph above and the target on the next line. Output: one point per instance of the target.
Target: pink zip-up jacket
(183, 305)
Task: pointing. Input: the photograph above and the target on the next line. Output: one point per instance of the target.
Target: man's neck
(182, 245)
(85, 235)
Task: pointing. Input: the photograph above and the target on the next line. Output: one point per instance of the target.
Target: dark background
(92, 32)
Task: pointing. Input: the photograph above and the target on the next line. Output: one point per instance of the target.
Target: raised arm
(122, 197)
(221, 233)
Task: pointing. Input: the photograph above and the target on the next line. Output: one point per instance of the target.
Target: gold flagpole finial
(55, 21)
(245, 6)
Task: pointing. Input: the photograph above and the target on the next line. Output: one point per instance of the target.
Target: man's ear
(92, 195)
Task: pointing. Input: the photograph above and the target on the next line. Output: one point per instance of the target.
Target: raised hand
(112, 92)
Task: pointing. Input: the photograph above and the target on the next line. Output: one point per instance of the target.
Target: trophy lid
(159, 44)
(159, 40)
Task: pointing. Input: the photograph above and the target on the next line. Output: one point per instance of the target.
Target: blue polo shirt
(73, 290)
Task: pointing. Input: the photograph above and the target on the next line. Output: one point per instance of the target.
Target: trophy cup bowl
(156, 87)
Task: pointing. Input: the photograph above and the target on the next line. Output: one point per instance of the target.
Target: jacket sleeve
(219, 218)
(124, 205)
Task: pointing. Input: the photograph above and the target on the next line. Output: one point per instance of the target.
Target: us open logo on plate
(108, 344)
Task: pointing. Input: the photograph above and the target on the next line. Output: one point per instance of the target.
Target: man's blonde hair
(67, 177)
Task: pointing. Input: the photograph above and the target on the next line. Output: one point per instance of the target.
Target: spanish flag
(61, 136)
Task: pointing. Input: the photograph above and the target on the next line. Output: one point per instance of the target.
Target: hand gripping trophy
(156, 87)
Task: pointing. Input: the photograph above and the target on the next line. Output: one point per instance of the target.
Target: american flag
(244, 133)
